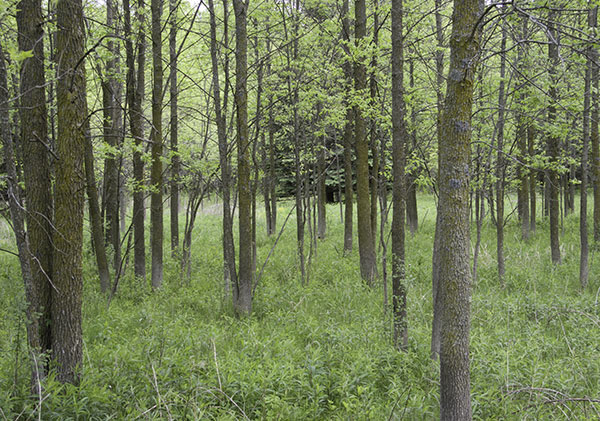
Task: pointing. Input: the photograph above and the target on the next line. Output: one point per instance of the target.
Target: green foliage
(318, 352)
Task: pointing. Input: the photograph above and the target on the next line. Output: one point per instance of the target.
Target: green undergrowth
(320, 351)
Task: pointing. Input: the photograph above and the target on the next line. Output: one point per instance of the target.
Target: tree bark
(500, 162)
(242, 297)
(135, 96)
(455, 156)
(366, 246)
(156, 176)
(36, 171)
(553, 141)
(67, 278)
(399, 140)
(348, 129)
(175, 159)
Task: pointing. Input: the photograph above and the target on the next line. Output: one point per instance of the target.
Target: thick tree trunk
(399, 140)
(455, 156)
(67, 342)
(553, 141)
(175, 160)
(36, 171)
(242, 297)
(15, 204)
(366, 246)
(156, 172)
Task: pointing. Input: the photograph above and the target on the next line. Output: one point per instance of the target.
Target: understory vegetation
(321, 351)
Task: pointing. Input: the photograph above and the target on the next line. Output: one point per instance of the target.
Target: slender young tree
(175, 159)
(67, 341)
(553, 141)
(156, 175)
(399, 140)
(135, 96)
(348, 130)
(455, 155)
(242, 294)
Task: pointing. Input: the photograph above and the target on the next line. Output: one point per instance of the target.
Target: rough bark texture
(15, 204)
(135, 95)
(175, 161)
(67, 339)
(36, 171)
(366, 246)
(242, 296)
(553, 141)
(156, 172)
(399, 140)
(454, 261)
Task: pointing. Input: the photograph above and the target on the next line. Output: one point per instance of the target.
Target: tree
(242, 294)
(399, 140)
(135, 96)
(67, 339)
(348, 126)
(36, 171)
(366, 246)
(454, 152)
(175, 160)
(156, 176)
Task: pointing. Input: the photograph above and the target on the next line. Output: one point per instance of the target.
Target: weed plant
(321, 351)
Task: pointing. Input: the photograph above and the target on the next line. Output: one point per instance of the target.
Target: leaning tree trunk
(67, 341)
(455, 156)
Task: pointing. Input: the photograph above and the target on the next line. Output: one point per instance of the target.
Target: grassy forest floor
(322, 351)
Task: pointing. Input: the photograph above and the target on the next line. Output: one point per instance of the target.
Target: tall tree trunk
(175, 160)
(583, 228)
(366, 246)
(156, 175)
(455, 156)
(112, 128)
(230, 272)
(553, 141)
(135, 96)
(412, 214)
(348, 127)
(242, 297)
(321, 189)
(36, 171)
(436, 326)
(399, 141)
(67, 278)
(500, 162)
(595, 139)
(15, 204)
(521, 134)
(373, 129)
